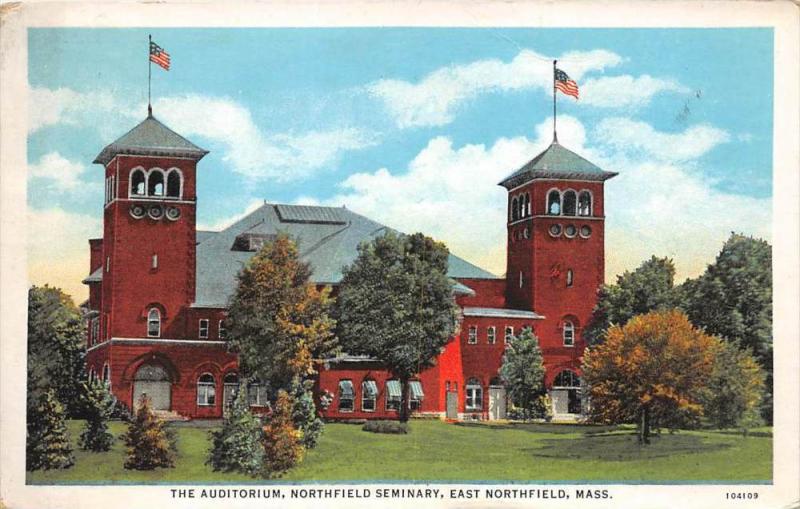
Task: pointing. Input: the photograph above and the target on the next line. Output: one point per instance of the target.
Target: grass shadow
(556, 429)
(624, 447)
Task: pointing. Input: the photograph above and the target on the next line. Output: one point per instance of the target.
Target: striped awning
(346, 389)
(393, 386)
(416, 389)
(370, 388)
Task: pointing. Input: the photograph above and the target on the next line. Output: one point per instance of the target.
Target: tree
(735, 389)
(522, 372)
(396, 304)
(282, 447)
(733, 299)
(98, 406)
(56, 346)
(148, 444)
(47, 444)
(654, 368)
(650, 287)
(237, 446)
(304, 413)
(277, 320)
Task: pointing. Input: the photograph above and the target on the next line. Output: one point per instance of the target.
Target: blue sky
(413, 127)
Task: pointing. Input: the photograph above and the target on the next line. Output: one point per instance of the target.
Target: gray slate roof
(94, 277)
(327, 239)
(556, 162)
(151, 138)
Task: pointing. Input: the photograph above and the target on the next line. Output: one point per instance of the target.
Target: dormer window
(252, 241)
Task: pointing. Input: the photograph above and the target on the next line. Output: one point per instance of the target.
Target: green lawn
(435, 450)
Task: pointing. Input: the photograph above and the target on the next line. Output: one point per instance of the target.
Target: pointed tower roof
(556, 162)
(151, 138)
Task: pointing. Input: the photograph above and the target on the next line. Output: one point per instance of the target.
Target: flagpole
(149, 74)
(555, 136)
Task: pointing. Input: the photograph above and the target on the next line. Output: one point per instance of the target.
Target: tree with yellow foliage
(654, 368)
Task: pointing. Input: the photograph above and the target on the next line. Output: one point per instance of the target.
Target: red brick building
(159, 288)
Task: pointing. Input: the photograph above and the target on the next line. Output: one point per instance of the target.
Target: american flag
(159, 56)
(565, 84)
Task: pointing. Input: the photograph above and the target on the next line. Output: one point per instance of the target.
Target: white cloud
(434, 100)
(58, 248)
(251, 151)
(625, 91)
(641, 140)
(653, 207)
(60, 174)
(66, 106)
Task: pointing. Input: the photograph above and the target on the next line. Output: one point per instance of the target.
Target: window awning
(346, 389)
(393, 386)
(370, 389)
(416, 389)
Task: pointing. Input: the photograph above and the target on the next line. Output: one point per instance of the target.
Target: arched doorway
(566, 393)
(497, 399)
(153, 380)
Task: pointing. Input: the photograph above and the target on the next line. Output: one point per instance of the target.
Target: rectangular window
(474, 397)
(203, 328)
(472, 337)
(108, 263)
(491, 335)
(222, 332)
(154, 262)
(206, 392)
(369, 393)
(416, 395)
(509, 334)
(257, 394)
(393, 392)
(347, 395)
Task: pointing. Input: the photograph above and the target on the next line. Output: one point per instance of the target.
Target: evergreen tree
(735, 389)
(277, 320)
(47, 441)
(648, 288)
(304, 414)
(522, 372)
(733, 300)
(56, 347)
(237, 446)
(148, 444)
(282, 448)
(396, 304)
(98, 406)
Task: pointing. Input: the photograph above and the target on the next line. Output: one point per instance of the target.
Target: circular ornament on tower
(570, 231)
(554, 230)
(526, 233)
(156, 212)
(173, 213)
(137, 211)
(586, 231)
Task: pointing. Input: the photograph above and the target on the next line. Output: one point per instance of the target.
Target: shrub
(47, 442)
(389, 427)
(282, 447)
(148, 443)
(304, 414)
(98, 405)
(237, 446)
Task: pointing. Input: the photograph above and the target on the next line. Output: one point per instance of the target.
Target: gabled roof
(151, 138)
(556, 162)
(327, 238)
(94, 277)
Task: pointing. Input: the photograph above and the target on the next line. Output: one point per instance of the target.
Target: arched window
(554, 203)
(153, 323)
(230, 386)
(585, 203)
(206, 391)
(138, 182)
(569, 333)
(527, 204)
(514, 211)
(570, 200)
(106, 374)
(474, 393)
(92, 374)
(369, 394)
(174, 183)
(155, 182)
(521, 205)
(567, 378)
